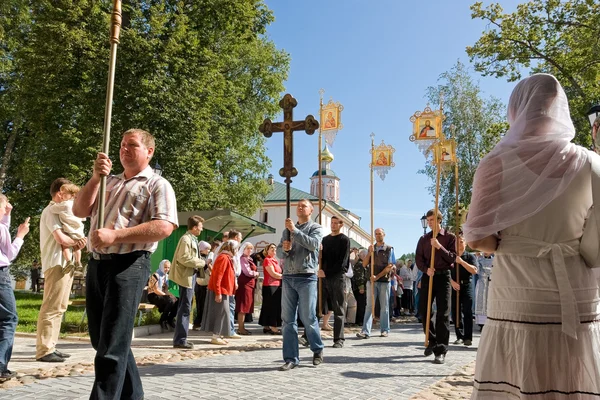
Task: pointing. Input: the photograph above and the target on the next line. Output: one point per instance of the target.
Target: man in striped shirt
(140, 211)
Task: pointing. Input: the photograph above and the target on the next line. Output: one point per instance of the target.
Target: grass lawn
(28, 308)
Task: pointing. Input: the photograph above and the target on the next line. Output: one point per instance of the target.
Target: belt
(556, 252)
(115, 256)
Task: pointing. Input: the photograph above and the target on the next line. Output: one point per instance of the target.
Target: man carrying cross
(299, 292)
(299, 248)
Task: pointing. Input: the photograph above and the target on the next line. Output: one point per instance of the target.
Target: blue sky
(377, 58)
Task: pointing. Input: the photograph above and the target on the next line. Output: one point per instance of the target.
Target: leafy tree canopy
(198, 74)
(557, 37)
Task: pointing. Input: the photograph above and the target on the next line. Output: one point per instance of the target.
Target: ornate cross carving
(288, 126)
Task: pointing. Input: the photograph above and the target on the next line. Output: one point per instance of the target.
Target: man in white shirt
(57, 282)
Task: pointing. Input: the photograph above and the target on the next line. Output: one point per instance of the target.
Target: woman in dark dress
(244, 295)
(270, 313)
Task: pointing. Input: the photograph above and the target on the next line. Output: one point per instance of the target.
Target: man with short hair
(57, 280)
(466, 267)
(140, 210)
(300, 254)
(185, 263)
(445, 256)
(379, 284)
(335, 259)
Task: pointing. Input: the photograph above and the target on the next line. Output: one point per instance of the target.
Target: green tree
(199, 74)
(476, 123)
(553, 36)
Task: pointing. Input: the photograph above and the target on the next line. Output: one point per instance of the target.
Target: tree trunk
(10, 145)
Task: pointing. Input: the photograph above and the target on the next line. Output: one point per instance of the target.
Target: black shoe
(318, 358)
(468, 342)
(164, 325)
(61, 354)
(6, 375)
(439, 359)
(303, 341)
(287, 366)
(338, 345)
(458, 341)
(186, 346)
(52, 357)
(428, 351)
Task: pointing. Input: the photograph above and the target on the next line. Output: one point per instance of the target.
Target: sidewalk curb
(138, 332)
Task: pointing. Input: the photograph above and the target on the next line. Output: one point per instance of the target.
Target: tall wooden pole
(114, 42)
(457, 230)
(372, 229)
(432, 262)
(321, 91)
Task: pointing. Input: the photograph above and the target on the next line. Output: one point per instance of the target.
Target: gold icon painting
(330, 117)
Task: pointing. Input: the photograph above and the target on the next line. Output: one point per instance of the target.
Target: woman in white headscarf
(531, 195)
(159, 295)
(244, 295)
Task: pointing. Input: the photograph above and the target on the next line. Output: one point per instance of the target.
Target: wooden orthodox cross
(288, 126)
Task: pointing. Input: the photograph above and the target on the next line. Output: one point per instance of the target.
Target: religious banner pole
(432, 262)
(115, 31)
(320, 172)
(372, 230)
(288, 126)
(457, 319)
(427, 133)
(382, 160)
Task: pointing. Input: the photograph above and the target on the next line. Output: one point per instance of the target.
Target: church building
(273, 212)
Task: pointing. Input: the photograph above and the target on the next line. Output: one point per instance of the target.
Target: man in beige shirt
(186, 263)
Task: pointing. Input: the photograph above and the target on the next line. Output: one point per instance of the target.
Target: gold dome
(326, 155)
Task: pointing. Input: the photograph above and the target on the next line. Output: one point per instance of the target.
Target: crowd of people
(532, 289)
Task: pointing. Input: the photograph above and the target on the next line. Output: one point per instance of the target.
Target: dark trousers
(35, 284)
(361, 303)
(200, 292)
(182, 324)
(465, 330)
(439, 332)
(114, 289)
(333, 291)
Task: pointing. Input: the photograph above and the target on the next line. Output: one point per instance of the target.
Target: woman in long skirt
(270, 312)
(244, 295)
(531, 196)
(220, 286)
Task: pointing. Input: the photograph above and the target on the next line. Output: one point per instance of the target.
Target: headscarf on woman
(533, 163)
(246, 263)
(163, 277)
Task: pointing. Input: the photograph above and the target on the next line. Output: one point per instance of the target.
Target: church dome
(326, 155)
(325, 172)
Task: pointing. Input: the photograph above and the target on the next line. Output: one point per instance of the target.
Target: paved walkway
(377, 368)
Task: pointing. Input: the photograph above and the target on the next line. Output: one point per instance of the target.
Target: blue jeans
(232, 315)
(382, 294)
(114, 290)
(8, 319)
(182, 324)
(299, 296)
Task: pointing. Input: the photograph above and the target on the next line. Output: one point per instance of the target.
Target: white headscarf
(532, 165)
(240, 252)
